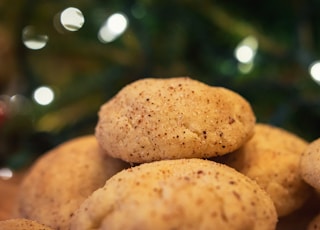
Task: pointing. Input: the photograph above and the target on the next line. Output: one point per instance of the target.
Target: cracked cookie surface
(61, 179)
(177, 194)
(272, 158)
(155, 119)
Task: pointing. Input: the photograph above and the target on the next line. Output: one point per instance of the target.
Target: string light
(72, 19)
(113, 27)
(43, 95)
(314, 70)
(32, 39)
(246, 49)
(245, 53)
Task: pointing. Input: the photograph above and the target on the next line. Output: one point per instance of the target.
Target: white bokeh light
(6, 173)
(117, 23)
(32, 39)
(244, 54)
(105, 35)
(246, 49)
(114, 26)
(72, 19)
(43, 95)
(314, 70)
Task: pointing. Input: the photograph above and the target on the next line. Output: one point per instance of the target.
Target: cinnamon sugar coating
(177, 194)
(272, 158)
(22, 224)
(60, 180)
(155, 119)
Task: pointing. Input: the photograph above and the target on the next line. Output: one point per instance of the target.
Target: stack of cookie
(170, 154)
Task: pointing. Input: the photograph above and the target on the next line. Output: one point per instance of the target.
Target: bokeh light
(32, 39)
(117, 23)
(72, 19)
(43, 95)
(6, 173)
(113, 27)
(246, 49)
(314, 70)
(244, 54)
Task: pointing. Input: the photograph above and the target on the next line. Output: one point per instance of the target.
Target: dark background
(163, 39)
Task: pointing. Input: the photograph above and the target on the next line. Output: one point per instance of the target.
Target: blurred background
(61, 60)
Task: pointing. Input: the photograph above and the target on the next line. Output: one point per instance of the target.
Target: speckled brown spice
(177, 194)
(154, 119)
(272, 158)
(22, 224)
(62, 178)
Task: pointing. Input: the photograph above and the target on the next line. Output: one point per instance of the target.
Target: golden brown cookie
(271, 157)
(62, 178)
(177, 194)
(310, 164)
(154, 119)
(22, 224)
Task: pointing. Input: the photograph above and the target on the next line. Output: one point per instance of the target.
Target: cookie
(22, 224)
(177, 194)
(310, 161)
(156, 119)
(62, 179)
(271, 157)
